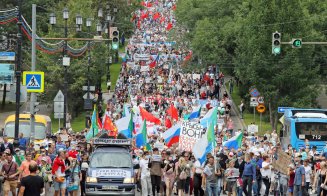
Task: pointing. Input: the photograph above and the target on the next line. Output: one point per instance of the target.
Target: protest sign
(160, 146)
(141, 57)
(283, 160)
(145, 68)
(156, 158)
(191, 132)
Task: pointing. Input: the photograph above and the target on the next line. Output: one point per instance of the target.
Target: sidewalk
(235, 114)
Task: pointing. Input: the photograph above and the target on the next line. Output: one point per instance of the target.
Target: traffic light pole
(18, 71)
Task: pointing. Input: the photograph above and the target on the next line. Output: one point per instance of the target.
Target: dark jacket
(10, 146)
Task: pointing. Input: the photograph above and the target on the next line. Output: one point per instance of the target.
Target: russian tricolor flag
(171, 136)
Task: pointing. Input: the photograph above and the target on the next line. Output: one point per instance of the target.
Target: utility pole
(33, 97)
(18, 70)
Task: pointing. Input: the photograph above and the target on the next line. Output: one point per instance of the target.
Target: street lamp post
(66, 59)
(18, 70)
(108, 19)
(65, 16)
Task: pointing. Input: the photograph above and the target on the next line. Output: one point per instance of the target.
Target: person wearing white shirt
(197, 177)
(308, 172)
(144, 175)
(266, 173)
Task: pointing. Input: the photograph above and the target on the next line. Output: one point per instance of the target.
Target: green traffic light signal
(114, 46)
(296, 43)
(276, 50)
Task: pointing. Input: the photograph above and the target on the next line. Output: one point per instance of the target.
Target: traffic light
(276, 43)
(296, 43)
(114, 35)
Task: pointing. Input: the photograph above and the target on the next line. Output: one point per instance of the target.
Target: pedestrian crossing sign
(34, 81)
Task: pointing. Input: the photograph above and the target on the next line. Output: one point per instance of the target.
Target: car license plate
(110, 187)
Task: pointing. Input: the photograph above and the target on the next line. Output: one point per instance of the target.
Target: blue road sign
(7, 56)
(7, 73)
(254, 92)
(282, 109)
(34, 81)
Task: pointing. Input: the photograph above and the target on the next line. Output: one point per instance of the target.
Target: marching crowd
(151, 77)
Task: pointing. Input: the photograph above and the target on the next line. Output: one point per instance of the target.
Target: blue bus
(301, 125)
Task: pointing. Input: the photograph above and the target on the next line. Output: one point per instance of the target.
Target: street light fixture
(79, 19)
(88, 22)
(100, 13)
(108, 18)
(99, 28)
(65, 13)
(115, 10)
(53, 19)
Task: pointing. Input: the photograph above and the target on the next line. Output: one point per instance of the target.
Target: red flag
(172, 111)
(162, 19)
(189, 56)
(174, 7)
(99, 123)
(148, 116)
(144, 15)
(153, 64)
(168, 123)
(169, 26)
(149, 4)
(109, 126)
(156, 16)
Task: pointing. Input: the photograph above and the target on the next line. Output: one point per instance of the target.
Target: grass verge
(248, 116)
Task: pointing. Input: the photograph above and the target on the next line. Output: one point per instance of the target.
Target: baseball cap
(44, 159)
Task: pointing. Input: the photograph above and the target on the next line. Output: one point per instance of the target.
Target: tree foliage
(238, 34)
(51, 64)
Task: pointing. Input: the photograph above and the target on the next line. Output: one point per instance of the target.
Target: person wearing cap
(291, 175)
(43, 155)
(45, 173)
(299, 179)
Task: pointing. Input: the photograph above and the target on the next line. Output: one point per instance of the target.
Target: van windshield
(111, 160)
(25, 128)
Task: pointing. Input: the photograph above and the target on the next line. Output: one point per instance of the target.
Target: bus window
(313, 131)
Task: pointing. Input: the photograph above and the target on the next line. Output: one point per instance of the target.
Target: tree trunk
(4, 96)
